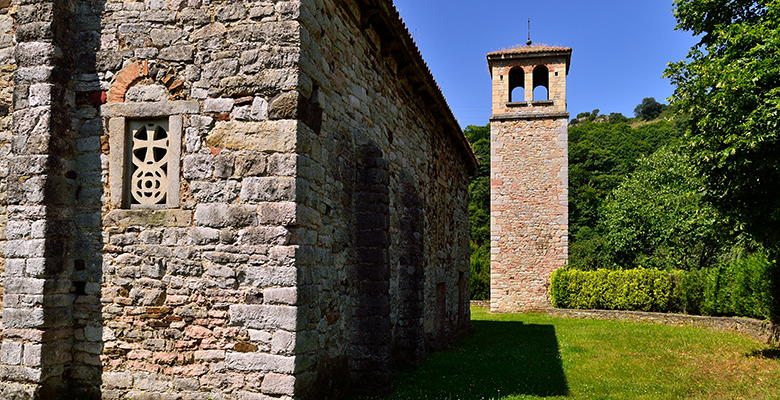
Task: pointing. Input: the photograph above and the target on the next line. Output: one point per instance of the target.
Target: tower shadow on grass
(498, 359)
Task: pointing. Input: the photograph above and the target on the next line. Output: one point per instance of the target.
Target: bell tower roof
(534, 50)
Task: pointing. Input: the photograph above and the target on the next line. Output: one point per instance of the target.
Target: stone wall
(194, 301)
(378, 124)
(199, 301)
(38, 303)
(7, 68)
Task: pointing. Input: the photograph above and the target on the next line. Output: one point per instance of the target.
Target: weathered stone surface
(260, 362)
(127, 218)
(159, 108)
(263, 316)
(269, 136)
(268, 189)
(279, 384)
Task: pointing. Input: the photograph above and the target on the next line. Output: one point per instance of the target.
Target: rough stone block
(260, 362)
(279, 384)
(11, 353)
(277, 213)
(218, 105)
(268, 189)
(225, 215)
(263, 316)
(287, 295)
(271, 136)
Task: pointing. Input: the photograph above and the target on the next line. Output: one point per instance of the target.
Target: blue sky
(621, 47)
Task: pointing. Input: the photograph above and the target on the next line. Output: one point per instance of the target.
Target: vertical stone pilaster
(36, 347)
(370, 336)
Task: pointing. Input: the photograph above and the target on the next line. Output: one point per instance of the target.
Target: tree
(649, 109)
(601, 156)
(658, 217)
(729, 90)
(479, 212)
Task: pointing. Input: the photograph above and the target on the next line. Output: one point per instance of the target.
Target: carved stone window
(148, 161)
(145, 154)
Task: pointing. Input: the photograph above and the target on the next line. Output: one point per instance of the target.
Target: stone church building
(223, 199)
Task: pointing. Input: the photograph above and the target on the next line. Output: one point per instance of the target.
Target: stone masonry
(223, 199)
(529, 175)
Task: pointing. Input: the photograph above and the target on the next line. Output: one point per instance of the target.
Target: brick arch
(137, 71)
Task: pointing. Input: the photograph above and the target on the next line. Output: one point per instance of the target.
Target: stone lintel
(529, 115)
(152, 109)
(146, 217)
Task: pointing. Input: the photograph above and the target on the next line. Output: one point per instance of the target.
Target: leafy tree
(601, 156)
(617, 118)
(649, 109)
(729, 89)
(479, 212)
(658, 217)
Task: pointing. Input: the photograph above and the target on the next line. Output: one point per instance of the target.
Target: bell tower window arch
(541, 83)
(516, 85)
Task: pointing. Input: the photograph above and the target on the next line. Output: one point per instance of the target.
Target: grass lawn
(532, 356)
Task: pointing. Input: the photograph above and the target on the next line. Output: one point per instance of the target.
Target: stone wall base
(762, 331)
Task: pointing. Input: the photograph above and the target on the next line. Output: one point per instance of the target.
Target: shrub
(634, 289)
(740, 286)
(479, 279)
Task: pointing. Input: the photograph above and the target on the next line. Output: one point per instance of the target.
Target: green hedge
(632, 289)
(740, 288)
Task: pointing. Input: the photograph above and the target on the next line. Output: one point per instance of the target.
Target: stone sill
(529, 115)
(517, 104)
(148, 217)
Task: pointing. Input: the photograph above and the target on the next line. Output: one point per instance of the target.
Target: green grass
(530, 356)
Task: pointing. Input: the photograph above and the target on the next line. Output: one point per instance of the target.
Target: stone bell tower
(528, 175)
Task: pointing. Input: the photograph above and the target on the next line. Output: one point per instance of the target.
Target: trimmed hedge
(632, 289)
(741, 288)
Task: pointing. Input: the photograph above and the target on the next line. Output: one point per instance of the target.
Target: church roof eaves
(402, 32)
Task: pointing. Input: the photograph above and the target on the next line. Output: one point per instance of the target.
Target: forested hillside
(603, 152)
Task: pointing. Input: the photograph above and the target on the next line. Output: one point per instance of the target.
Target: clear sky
(621, 47)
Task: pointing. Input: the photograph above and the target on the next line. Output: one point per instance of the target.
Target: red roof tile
(531, 50)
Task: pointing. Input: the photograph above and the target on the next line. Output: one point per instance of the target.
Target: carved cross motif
(149, 182)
